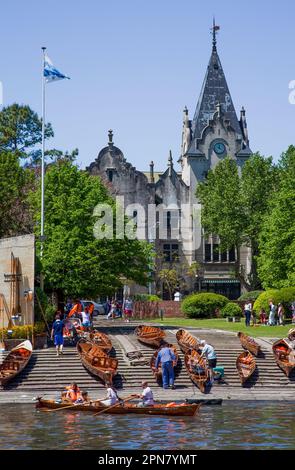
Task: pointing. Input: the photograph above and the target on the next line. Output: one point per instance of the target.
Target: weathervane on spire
(214, 29)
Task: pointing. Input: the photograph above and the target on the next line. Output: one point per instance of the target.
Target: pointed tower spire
(170, 163)
(214, 90)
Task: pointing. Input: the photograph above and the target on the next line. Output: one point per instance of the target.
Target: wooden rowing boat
(246, 366)
(15, 362)
(284, 356)
(96, 361)
(249, 344)
(151, 335)
(157, 373)
(158, 409)
(101, 339)
(197, 369)
(186, 341)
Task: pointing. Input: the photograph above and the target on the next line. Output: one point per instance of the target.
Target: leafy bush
(231, 310)
(252, 295)
(202, 305)
(286, 296)
(23, 331)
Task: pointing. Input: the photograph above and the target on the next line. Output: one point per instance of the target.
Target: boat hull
(15, 362)
(202, 380)
(285, 360)
(245, 370)
(96, 361)
(150, 335)
(186, 341)
(164, 410)
(249, 344)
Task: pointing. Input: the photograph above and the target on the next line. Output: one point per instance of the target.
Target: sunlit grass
(222, 324)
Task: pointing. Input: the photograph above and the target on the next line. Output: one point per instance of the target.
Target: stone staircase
(46, 372)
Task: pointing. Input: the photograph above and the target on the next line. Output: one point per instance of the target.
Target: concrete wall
(23, 248)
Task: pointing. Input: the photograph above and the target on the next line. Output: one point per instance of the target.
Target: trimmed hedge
(252, 295)
(203, 305)
(286, 296)
(231, 310)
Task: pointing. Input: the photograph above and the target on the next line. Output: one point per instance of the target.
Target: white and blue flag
(50, 73)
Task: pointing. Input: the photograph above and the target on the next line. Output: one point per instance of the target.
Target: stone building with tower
(214, 132)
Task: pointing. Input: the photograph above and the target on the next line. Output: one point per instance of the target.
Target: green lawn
(222, 324)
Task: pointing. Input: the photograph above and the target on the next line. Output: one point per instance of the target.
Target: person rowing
(111, 398)
(147, 396)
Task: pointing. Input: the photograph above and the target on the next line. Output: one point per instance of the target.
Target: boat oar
(116, 404)
(64, 407)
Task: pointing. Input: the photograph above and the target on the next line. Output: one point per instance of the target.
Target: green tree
(222, 210)
(21, 130)
(258, 182)
(170, 279)
(75, 262)
(276, 262)
(15, 182)
(233, 207)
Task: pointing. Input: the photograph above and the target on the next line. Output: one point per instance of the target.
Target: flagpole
(42, 165)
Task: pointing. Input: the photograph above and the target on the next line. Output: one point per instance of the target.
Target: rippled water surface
(234, 425)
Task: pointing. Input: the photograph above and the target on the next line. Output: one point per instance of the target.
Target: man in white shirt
(146, 396)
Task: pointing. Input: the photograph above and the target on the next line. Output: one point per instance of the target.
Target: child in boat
(83, 399)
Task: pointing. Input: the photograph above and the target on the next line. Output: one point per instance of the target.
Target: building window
(208, 257)
(110, 174)
(223, 256)
(215, 252)
(232, 255)
(170, 252)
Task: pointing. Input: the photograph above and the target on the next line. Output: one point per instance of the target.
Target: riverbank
(47, 375)
(227, 394)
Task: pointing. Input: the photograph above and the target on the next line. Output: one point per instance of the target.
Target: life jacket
(74, 394)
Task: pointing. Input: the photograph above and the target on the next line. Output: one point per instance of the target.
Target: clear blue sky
(135, 64)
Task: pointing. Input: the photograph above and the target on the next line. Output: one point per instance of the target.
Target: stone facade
(213, 133)
(17, 271)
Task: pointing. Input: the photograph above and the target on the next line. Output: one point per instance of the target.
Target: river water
(234, 425)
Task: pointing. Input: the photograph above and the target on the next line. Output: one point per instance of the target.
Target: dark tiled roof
(214, 91)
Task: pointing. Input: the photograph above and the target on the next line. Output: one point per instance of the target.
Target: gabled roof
(214, 90)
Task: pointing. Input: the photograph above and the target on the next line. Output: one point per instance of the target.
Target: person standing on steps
(166, 357)
(57, 333)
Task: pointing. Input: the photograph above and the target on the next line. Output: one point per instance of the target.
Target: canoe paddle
(116, 404)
